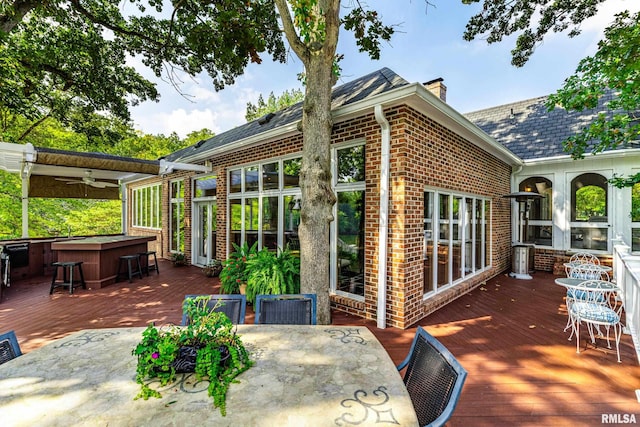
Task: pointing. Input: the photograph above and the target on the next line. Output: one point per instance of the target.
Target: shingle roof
(533, 132)
(362, 88)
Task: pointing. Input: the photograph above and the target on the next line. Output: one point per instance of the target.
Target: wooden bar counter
(100, 255)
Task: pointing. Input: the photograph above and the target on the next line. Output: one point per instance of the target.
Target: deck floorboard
(508, 334)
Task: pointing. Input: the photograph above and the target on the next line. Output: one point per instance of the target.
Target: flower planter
(187, 355)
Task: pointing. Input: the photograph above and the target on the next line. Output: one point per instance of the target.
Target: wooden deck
(508, 334)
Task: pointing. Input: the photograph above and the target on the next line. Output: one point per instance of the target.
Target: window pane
(235, 178)
(478, 235)
(291, 222)
(206, 187)
(251, 217)
(468, 236)
(235, 206)
(251, 178)
(589, 201)
(270, 176)
(428, 242)
(351, 164)
(487, 234)
(589, 238)
(350, 243)
(177, 190)
(291, 172)
(270, 222)
(457, 238)
(539, 208)
(443, 243)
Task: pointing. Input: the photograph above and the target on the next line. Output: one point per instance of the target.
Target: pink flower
(155, 355)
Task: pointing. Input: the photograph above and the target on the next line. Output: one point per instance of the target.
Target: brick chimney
(437, 88)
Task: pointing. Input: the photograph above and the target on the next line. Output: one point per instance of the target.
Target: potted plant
(234, 273)
(213, 268)
(207, 346)
(178, 259)
(273, 273)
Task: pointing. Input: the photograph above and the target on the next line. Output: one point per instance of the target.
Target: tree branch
(8, 21)
(289, 30)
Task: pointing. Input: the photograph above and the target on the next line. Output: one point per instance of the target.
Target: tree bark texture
(318, 197)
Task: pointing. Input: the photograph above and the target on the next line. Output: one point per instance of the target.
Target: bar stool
(146, 267)
(130, 267)
(70, 265)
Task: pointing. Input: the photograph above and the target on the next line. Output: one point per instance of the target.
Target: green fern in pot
(273, 273)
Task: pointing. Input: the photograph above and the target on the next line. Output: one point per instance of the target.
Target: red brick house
(420, 212)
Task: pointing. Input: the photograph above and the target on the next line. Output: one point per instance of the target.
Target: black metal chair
(9, 347)
(234, 306)
(290, 309)
(434, 379)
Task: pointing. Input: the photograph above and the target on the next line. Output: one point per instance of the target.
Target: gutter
(383, 225)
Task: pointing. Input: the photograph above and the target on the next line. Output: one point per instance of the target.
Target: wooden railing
(626, 270)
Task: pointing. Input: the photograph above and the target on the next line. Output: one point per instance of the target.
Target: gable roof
(357, 90)
(529, 130)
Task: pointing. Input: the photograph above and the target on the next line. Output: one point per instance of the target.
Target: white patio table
(302, 376)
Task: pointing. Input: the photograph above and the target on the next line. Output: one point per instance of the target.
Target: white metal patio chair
(596, 307)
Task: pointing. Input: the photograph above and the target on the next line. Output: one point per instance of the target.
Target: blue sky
(427, 44)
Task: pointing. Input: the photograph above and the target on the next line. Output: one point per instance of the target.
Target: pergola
(47, 172)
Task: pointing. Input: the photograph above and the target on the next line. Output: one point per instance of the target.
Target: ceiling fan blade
(65, 179)
(103, 184)
(74, 182)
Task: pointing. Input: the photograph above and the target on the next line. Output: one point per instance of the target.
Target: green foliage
(591, 201)
(368, 30)
(234, 271)
(178, 259)
(531, 20)
(273, 104)
(271, 273)
(58, 63)
(207, 331)
(197, 136)
(614, 67)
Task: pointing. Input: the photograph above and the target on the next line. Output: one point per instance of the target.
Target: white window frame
(146, 215)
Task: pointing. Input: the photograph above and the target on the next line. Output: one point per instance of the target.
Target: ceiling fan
(87, 179)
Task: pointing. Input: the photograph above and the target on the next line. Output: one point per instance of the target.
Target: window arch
(589, 198)
(589, 212)
(539, 228)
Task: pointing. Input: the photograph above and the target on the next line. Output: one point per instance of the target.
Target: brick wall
(423, 153)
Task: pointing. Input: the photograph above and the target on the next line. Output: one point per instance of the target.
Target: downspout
(385, 148)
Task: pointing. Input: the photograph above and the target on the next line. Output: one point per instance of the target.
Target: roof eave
(415, 95)
(420, 98)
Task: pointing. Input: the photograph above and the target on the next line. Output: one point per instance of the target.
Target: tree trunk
(318, 197)
(317, 54)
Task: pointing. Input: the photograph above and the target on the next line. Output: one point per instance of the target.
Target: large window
(348, 234)
(147, 204)
(176, 225)
(589, 212)
(456, 238)
(264, 204)
(539, 221)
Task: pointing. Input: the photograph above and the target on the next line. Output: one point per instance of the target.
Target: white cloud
(179, 121)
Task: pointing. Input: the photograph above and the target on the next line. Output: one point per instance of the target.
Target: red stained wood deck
(508, 334)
